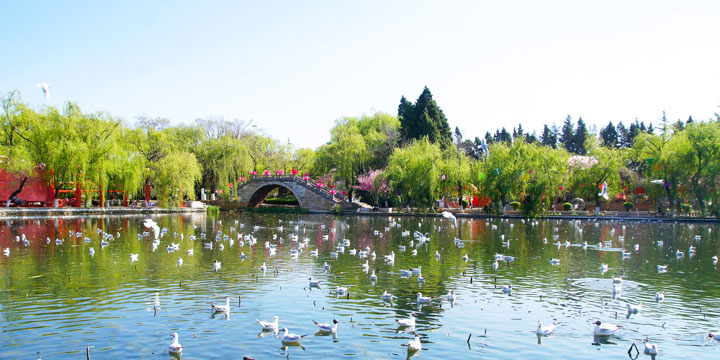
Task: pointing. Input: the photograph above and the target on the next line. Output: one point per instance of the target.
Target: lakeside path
(7, 213)
(608, 216)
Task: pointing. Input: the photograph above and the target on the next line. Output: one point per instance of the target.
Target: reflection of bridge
(309, 195)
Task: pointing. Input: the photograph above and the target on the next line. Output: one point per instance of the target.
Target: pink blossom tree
(375, 183)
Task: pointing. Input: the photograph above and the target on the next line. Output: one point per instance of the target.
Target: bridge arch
(258, 196)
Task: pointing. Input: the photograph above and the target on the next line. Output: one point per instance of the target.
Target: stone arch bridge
(309, 195)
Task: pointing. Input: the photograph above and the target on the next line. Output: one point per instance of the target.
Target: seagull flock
(299, 244)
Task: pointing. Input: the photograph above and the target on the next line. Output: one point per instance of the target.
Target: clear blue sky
(294, 67)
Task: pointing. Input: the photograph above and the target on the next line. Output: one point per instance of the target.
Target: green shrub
(567, 206)
(213, 210)
(628, 206)
(515, 205)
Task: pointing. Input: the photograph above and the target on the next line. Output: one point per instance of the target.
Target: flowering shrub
(582, 162)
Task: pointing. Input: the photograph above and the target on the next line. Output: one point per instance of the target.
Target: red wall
(36, 188)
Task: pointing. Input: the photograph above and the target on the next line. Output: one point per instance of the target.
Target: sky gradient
(294, 67)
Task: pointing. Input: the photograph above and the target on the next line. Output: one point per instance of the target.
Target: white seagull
(650, 349)
(269, 325)
(217, 265)
(175, 347)
(221, 308)
(133, 258)
(180, 261)
(660, 296)
(545, 330)
(386, 296)
(605, 329)
(409, 322)
(634, 309)
(291, 338)
(449, 215)
(423, 299)
(45, 89)
(327, 328)
(415, 345)
(149, 223)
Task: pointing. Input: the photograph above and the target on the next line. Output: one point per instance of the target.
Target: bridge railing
(309, 184)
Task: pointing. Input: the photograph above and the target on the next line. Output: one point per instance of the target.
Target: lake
(56, 298)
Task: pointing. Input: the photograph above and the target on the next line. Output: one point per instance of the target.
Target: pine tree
(633, 132)
(622, 135)
(488, 138)
(581, 135)
(424, 118)
(531, 138)
(548, 138)
(651, 129)
(505, 136)
(519, 131)
(408, 123)
(609, 136)
(567, 137)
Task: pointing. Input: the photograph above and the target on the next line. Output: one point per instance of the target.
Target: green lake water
(57, 299)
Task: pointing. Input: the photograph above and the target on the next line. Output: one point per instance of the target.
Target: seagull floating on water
(221, 308)
(133, 258)
(313, 283)
(217, 265)
(175, 347)
(634, 309)
(650, 349)
(269, 325)
(291, 338)
(605, 329)
(328, 328)
(409, 322)
(660, 296)
(545, 330)
(386, 296)
(415, 345)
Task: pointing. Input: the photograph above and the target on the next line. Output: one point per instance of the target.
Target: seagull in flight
(45, 89)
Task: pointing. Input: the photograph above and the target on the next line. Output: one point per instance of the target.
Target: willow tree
(15, 154)
(224, 159)
(586, 177)
(503, 171)
(660, 160)
(175, 177)
(698, 147)
(415, 172)
(541, 183)
(457, 169)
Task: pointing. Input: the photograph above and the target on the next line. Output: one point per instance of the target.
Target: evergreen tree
(488, 138)
(650, 129)
(633, 132)
(581, 135)
(505, 136)
(609, 136)
(622, 135)
(496, 137)
(679, 126)
(408, 123)
(689, 120)
(519, 131)
(424, 118)
(567, 137)
(531, 138)
(548, 137)
(458, 137)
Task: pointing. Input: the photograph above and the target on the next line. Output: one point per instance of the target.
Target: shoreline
(14, 213)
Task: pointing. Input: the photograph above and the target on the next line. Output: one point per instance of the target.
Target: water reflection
(54, 290)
